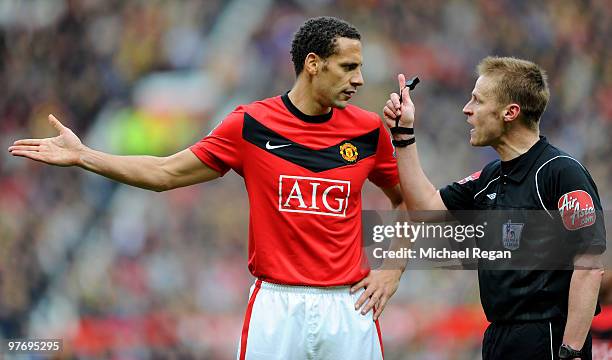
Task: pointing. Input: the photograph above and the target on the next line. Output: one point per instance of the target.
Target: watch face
(568, 353)
(564, 353)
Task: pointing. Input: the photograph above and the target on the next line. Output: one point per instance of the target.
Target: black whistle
(412, 83)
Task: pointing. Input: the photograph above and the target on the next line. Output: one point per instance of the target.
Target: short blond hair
(518, 81)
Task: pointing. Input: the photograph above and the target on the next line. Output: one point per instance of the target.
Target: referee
(534, 314)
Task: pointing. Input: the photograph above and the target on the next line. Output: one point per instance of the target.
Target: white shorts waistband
(306, 289)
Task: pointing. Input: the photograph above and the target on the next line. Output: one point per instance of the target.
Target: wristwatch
(566, 352)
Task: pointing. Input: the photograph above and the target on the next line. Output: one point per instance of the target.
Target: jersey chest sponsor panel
(304, 182)
(306, 189)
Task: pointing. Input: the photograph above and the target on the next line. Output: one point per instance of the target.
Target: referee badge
(348, 152)
(511, 235)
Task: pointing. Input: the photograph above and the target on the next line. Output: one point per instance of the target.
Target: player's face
(340, 74)
(484, 113)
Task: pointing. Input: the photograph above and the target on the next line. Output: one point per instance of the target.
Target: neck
(305, 99)
(516, 142)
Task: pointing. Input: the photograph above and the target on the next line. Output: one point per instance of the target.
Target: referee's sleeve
(575, 196)
(460, 194)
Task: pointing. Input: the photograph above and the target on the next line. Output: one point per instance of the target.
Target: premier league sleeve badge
(511, 235)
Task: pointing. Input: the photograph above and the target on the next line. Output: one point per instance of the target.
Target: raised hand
(393, 109)
(62, 150)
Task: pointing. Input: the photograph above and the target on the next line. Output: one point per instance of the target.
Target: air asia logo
(577, 209)
(313, 195)
(348, 152)
(472, 177)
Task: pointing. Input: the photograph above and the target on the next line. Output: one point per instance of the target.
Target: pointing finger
(402, 80)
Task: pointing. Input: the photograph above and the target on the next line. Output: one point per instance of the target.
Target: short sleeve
(574, 194)
(384, 174)
(221, 149)
(460, 194)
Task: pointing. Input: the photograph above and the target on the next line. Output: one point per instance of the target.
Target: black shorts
(538, 340)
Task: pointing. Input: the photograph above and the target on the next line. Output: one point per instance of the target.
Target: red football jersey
(303, 175)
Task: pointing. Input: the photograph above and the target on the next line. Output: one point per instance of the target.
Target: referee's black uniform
(528, 308)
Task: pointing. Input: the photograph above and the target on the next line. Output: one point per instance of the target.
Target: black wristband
(403, 143)
(402, 130)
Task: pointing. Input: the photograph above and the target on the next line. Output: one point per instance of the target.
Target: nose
(467, 110)
(357, 79)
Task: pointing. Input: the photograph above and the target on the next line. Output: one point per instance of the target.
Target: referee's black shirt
(544, 179)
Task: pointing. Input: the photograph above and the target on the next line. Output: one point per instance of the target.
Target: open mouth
(349, 93)
(473, 128)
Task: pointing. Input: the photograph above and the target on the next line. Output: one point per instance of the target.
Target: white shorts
(300, 322)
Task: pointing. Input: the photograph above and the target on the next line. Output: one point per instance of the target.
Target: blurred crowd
(118, 272)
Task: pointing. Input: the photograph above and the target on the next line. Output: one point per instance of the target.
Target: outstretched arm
(147, 172)
(418, 192)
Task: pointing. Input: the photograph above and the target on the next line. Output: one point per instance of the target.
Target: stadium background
(122, 273)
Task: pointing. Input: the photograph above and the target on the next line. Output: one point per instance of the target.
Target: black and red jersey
(304, 176)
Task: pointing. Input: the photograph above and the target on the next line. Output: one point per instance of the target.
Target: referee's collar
(527, 160)
(300, 115)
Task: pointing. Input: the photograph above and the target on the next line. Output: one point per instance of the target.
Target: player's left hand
(379, 286)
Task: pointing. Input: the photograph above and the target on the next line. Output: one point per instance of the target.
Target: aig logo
(313, 195)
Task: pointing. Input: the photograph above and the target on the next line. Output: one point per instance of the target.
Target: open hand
(62, 150)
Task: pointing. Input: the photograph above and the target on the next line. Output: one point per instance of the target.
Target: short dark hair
(318, 35)
(518, 81)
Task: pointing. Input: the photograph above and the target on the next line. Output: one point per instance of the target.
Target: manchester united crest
(348, 152)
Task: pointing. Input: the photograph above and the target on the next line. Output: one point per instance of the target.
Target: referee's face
(340, 74)
(484, 114)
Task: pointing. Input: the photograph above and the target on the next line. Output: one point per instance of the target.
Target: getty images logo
(313, 195)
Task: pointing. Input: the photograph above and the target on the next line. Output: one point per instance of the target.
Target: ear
(312, 64)
(511, 112)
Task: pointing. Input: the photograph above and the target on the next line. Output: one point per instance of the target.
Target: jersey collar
(300, 115)
(528, 160)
